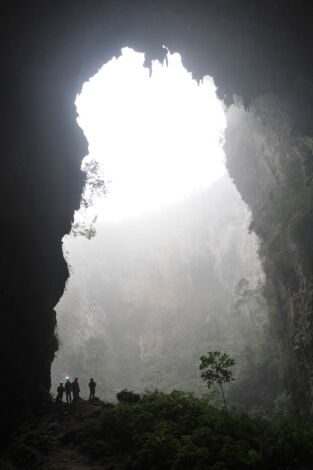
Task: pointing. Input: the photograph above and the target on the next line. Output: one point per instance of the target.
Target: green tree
(215, 369)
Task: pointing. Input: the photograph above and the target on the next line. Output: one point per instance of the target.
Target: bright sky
(157, 138)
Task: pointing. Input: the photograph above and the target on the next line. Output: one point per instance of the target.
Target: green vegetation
(215, 369)
(159, 432)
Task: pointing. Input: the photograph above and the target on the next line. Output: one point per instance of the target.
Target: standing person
(68, 391)
(60, 391)
(75, 389)
(92, 388)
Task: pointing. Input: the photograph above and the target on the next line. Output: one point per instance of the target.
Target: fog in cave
(157, 179)
(163, 267)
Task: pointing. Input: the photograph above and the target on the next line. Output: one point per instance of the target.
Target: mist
(147, 296)
(163, 265)
(157, 162)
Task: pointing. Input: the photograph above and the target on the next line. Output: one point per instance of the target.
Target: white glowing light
(157, 138)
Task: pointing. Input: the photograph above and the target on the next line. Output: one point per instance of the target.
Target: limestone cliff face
(148, 296)
(272, 168)
(47, 51)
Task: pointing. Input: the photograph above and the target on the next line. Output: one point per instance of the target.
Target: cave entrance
(154, 136)
(154, 251)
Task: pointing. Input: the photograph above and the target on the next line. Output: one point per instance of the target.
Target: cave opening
(263, 55)
(160, 242)
(155, 136)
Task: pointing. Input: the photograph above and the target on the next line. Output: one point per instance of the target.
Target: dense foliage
(175, 431)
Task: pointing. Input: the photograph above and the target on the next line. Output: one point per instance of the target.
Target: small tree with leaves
(215, 369)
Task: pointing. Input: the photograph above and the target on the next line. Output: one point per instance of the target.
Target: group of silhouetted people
(73, 389)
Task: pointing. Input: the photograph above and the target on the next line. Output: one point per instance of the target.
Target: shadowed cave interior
(262, 55)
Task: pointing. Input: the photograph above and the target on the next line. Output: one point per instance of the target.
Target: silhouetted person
(68, 391)
(92, 389)
(75, 389)
(60, 391)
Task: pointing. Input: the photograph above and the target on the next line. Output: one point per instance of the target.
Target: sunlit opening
(156, 287)
(154, 139)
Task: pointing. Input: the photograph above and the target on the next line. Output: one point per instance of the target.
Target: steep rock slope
(272, 167)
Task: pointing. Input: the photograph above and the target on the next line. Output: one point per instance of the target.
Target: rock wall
(47, 51)
(272, 167)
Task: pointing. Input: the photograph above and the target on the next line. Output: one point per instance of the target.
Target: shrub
(127, 396)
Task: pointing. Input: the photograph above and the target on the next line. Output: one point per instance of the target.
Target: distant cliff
(148, 296)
